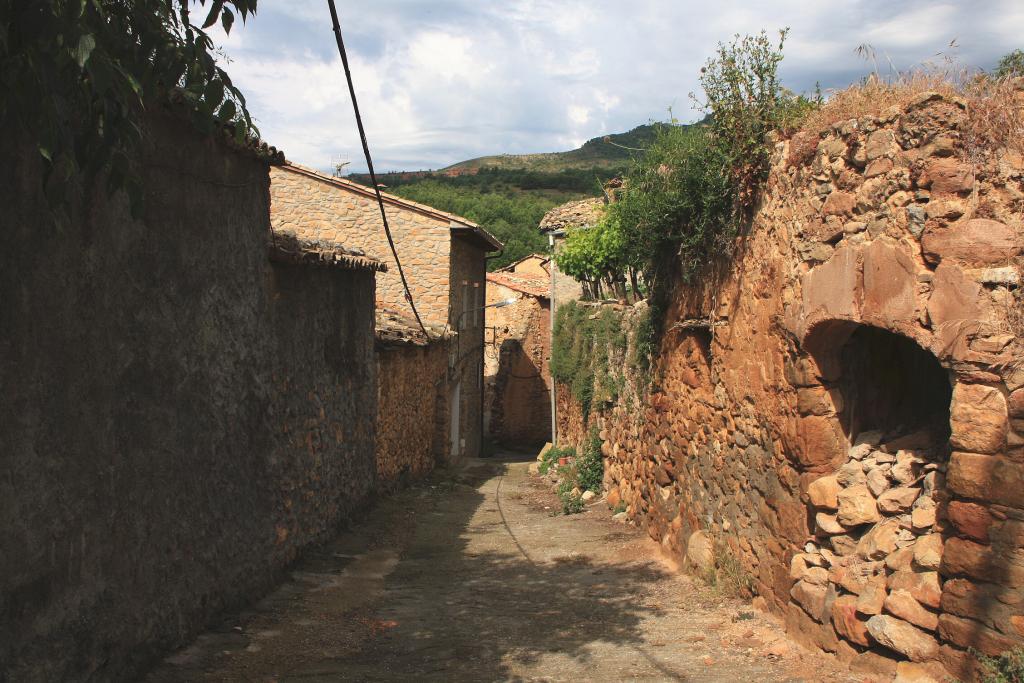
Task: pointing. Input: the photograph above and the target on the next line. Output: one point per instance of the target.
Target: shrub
(572, 504)
(550, 458)
(590, 464)
(1006, 668)
(1011, 65)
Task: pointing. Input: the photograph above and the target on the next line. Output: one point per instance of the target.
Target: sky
(441, 81)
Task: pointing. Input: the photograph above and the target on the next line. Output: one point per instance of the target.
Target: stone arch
(882, 381)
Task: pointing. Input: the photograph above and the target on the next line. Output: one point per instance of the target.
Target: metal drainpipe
(551, 344)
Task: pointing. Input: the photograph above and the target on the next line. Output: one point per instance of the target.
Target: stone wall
(338, 210)
(841, 413)
(517, 376)
(412, 411)
(180, 417)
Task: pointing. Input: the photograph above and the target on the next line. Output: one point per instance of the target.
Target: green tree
(78, 75)
(1011, 65)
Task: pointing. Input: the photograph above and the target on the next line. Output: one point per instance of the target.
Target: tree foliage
(1011, 65)
(687, 196)
(503, 208)
(78, 75)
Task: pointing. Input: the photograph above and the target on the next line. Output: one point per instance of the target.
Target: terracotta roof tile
(582, 213)
(285, 247)
(533, 285)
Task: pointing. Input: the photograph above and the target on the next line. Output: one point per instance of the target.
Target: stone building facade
(443, 257)
(517, 410)
(412, 403)
(188, 404)
(841, 412)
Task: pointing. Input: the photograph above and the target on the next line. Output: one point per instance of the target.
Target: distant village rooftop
(582, 213)
(532, 285)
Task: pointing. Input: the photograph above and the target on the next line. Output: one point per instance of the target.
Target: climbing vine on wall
(78, 75)
(581, 353)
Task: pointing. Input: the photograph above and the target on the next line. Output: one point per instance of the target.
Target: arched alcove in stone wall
(871, 572)
(883, 382)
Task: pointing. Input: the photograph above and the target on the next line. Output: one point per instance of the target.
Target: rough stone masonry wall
(318, 209)
(180, 417)
(411, 412)
(518, 402)
(883, 514)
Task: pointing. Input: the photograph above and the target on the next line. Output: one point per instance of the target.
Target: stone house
(444, 259)
(189, 402)
(517, 353)
(556, 223)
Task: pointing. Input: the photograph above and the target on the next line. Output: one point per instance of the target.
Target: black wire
(369, 162)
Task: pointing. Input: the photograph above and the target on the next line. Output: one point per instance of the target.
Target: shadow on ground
(461, 599)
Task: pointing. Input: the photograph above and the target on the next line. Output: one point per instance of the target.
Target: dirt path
(472, 578)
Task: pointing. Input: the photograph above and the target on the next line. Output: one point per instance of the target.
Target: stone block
(1015, 404)
(900, 636)
(823, 493)
(903, 605)
(948, 176)
(811, 597)
(955, 297)
(978, 418)
(857, 506)
(970, 519)
(832, 290)
(879, 541)
(897, 500)
(968, 633)
(986, 477)
(890, 282)
(808, 632)
(962, 557)
(923, 586)
(871, 598)
(928, 551)
(822, 443)
(847, 622)
(839, 203)
(976, 243)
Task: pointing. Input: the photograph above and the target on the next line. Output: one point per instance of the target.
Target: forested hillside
(508, 194)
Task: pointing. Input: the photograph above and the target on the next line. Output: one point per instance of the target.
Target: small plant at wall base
(590, 464)
(552, 456)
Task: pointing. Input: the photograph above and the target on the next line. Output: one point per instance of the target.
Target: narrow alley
(472, 575)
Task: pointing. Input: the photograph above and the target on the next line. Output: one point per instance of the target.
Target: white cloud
(452, 79)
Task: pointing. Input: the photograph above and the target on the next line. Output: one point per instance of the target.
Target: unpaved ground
(471, 577)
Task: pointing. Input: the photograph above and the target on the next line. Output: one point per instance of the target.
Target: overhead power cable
(369, 162)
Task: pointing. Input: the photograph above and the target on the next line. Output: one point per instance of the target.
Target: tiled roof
(287, 248)
(533, 285)
(398, 329)
(582, 213)
(457, 222)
